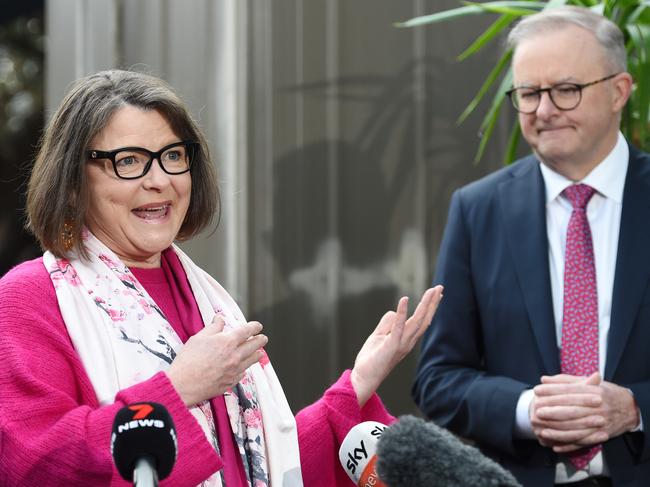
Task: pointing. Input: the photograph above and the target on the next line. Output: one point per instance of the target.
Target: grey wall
(336, 140)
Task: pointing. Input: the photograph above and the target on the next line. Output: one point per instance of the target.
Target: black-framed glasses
(135, 162)
(565, 96)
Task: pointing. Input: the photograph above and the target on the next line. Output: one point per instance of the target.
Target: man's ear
(622, 89)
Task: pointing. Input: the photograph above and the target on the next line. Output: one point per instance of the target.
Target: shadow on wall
(21, 122)
(345, 240)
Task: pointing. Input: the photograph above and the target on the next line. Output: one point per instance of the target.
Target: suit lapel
(633, 258)
(523, 204)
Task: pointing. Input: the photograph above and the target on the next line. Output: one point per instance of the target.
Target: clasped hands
(569, 412)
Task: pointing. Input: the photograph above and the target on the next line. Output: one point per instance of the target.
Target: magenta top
(54, 432)
(169, 288)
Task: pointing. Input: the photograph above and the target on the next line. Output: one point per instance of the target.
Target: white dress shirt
(604, 215)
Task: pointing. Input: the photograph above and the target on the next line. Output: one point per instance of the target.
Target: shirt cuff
(523, 427)
(639, 427)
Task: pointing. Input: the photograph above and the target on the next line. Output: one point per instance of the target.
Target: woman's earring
(67, 236)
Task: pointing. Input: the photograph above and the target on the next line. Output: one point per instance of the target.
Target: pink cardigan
(53, 431)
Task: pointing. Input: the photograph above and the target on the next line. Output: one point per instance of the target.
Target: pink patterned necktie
(579, 355)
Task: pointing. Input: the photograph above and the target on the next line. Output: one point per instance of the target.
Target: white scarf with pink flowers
(123, 338)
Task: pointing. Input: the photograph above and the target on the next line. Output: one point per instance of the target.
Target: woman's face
(137, 218)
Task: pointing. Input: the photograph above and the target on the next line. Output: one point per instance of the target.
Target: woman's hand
(392, 340)
(214, 360)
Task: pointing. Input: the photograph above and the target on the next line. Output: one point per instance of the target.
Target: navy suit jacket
(494, 333)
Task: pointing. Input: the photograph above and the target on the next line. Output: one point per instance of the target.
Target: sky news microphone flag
(357, 453)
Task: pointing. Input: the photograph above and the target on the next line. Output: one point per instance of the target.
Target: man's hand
(569, 412)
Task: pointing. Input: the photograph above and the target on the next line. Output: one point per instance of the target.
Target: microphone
(357, 454)
(144, 443)
(413, 452)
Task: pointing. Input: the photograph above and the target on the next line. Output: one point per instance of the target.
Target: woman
(114, 313)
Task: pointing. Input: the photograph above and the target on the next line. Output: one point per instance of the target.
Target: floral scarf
(127, 328)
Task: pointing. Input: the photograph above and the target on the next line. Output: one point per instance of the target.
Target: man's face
(578, 138)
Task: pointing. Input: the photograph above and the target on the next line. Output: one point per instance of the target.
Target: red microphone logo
(141, 410)
(139, 419)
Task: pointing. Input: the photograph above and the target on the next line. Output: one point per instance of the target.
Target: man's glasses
(135, 162)
(565, 96)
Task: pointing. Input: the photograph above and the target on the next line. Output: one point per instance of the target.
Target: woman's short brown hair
(57, 191)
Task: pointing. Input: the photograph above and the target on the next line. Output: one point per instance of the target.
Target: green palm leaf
(490, 120)
(494, 30)
(502, 64)
(471, 9)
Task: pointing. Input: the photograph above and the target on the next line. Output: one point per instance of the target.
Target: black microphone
(143, 443)
(413, 452)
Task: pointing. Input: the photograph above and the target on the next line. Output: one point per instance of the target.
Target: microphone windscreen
(413, 452)
(140, 430)
(357, 453)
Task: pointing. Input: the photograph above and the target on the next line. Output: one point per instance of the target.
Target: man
(540, 351)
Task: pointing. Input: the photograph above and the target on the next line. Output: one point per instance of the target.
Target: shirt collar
(607, 178)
